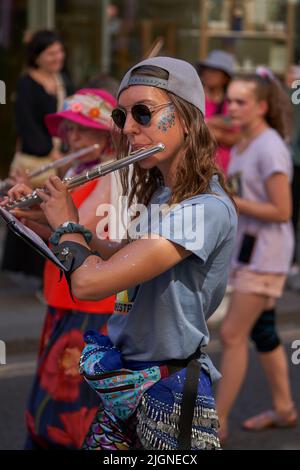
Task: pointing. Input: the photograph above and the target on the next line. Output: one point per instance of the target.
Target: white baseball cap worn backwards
(183, 80)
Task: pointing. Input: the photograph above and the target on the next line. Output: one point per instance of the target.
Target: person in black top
(40, 91)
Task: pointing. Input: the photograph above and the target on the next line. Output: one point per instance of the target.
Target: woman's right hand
(34, 214)
(18, 191)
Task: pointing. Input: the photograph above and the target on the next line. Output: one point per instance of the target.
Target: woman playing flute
(169, 274)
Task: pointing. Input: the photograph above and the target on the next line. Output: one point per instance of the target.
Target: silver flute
(33, 198)
(5, 185)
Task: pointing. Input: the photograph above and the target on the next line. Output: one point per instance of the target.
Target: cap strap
(149, 81)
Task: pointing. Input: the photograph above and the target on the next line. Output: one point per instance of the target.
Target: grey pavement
(21, 319)
(22, 313)
(16, 378)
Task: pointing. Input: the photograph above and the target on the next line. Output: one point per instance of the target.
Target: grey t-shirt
(165, 318)
(249, 170)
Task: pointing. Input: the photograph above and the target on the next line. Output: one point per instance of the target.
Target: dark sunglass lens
(142, 114)
(119, 117)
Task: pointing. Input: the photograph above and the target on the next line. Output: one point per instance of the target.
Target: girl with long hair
(260, 173)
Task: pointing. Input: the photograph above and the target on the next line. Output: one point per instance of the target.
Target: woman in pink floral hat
(61, 406)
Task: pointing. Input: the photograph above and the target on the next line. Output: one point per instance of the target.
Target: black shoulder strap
(188, 404)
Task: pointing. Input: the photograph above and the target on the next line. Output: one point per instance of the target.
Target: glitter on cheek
(167, 119)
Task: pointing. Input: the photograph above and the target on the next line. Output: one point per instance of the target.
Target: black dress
(32, 104)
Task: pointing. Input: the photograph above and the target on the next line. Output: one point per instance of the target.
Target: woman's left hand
(57, 204)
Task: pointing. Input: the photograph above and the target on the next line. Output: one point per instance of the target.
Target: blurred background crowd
(107, 37)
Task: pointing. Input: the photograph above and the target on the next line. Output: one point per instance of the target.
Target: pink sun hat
(90, 107)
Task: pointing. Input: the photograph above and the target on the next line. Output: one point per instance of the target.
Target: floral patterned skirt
(61, 405)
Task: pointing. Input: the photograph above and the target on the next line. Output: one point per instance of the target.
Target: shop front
(108, 36)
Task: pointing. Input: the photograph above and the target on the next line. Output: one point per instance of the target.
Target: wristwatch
(65, 224)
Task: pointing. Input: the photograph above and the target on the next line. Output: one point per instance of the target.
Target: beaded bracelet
(70, 227)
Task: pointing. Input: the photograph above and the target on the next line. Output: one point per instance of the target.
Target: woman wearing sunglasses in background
(170, 276)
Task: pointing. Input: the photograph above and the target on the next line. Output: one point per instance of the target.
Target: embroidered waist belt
(120, 389)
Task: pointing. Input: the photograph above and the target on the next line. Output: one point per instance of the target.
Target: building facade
(107, 36)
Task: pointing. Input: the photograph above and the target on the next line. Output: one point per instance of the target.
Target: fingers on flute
(43, 195)
(51, 186)
(4, 201)
(43, 206)
(18, 191)
(57, 183)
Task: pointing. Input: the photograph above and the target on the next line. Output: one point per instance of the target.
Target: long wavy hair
(279, 114)
(197, 166)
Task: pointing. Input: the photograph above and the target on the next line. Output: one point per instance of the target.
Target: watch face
(65, 224)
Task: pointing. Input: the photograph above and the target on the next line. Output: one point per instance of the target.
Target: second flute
(101, 170)
(70, 158)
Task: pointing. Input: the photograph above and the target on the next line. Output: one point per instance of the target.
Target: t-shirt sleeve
(274, 158)
(199, 227)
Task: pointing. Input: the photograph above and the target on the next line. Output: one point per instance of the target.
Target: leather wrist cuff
(72, 254)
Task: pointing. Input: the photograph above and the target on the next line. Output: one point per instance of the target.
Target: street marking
(2, 352)
(28, 368)
(2, 92)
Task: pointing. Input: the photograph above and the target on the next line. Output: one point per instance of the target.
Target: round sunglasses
(141, 113)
